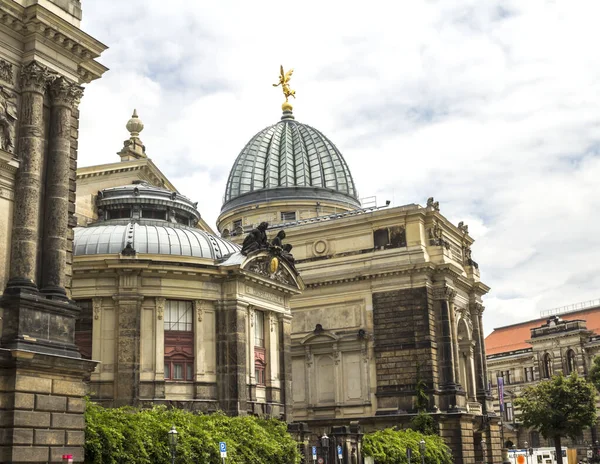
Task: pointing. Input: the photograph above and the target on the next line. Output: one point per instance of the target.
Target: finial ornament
(135, 125)
(284, 79)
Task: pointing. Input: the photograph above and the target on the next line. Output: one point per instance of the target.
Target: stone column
(481, 381)
(65, 95)
(446, 351)
(454, 341)
(481, 342)
(28, 187)
(285, 366)
(159, 348)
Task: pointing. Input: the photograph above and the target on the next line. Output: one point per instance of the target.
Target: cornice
(36, 22)
(424, 268)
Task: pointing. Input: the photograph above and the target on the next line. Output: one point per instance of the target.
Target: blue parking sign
(223, 449)
(339, 450)
(314, 453)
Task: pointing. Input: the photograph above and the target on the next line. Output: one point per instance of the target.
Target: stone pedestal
(41, 406)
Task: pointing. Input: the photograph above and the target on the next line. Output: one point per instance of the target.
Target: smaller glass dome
(142, 218)
(151, 239)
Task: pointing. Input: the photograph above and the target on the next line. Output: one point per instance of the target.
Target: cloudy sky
(492, 107)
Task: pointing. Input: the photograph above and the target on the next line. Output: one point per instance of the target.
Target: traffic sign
(320, 461)
(590, 453)
(339, 450)
(223, 449)
(314, 453)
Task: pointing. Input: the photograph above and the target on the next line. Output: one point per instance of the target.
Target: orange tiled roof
(513, 337)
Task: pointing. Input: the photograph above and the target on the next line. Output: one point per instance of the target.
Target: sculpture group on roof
(257, 240)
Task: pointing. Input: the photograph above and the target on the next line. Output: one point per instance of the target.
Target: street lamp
(526, 451)
(173, 443)
(325, 446)
(422, 450)
(483, 451)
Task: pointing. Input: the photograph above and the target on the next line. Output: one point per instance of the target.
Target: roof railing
(570, 308)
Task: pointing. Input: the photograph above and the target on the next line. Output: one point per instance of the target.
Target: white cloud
(493, 107)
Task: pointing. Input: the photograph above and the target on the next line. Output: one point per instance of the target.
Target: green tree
(389, 447)
(594, 373)
(559, 407)
(422, 422)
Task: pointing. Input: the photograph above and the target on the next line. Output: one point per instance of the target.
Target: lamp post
(526, 451)
(483, 451)
(325, 446)
(422, 450)
(173, 443)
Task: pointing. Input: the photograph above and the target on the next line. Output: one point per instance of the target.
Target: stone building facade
(566, 341)
(44, 59)
(389, 292)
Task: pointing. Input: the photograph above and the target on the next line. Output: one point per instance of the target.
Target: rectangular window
(509, 412)
(178, 315)
(288, 216)
(237, 224)
(529, 374)
(259, 372)
(259, 329)
(121, 213)
(154, 214)
(179, 340)
(381, 238)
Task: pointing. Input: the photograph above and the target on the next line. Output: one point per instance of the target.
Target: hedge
(128, 435)
(389, 447)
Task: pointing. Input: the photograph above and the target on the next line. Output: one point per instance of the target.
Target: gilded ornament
(284, 79)
(273, 265)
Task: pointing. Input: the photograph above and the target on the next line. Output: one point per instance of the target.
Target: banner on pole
(501, 393)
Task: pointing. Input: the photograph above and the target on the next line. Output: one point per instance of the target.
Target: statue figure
(8, 119)
(284, 80)
(256, 239)
(286, 253)
(277, 241)
(463, 227)
(433, 204)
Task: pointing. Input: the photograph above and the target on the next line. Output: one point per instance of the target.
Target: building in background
(390, 292)
(564, 340)
(45, 57)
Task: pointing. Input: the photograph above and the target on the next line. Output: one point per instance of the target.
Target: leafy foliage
(128, 435)
(389, 447)
(594, 373)
(559, 407)
(422, 422)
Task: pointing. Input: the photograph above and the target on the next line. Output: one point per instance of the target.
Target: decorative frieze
(8, 119)
(6, 71)
(96, 307)
(160, 308)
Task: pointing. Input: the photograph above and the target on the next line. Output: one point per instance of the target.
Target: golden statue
(284, 80)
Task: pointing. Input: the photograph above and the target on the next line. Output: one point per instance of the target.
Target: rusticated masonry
(404, 328)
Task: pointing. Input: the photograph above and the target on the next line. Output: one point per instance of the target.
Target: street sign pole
(223, 450)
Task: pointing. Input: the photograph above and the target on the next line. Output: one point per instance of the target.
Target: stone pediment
(272, 267)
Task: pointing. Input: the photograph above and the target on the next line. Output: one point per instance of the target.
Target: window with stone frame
(506, 376)
(528, 374)
(179, 341)
(83, 328)
(287, 216)
(509, 414)
(260, 361)
(534, 439)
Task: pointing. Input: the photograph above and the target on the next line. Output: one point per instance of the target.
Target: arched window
(547, 367)
(571, 361)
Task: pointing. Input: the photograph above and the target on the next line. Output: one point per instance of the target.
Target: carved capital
(35, 77)
(97, 307)
(65, 93)
(199, 309)
(476, 309)
(444, 293)
(160, 308)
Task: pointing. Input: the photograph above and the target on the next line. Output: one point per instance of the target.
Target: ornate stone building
(44, 59)
(565, 340)
(389, 292)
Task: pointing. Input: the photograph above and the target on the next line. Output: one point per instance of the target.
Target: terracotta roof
(513, 337)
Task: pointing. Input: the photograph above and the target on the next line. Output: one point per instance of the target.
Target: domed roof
(153, 239)
(289, 160)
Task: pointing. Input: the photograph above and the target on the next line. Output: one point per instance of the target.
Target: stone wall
(404, 328)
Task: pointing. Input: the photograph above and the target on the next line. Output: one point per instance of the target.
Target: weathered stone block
(31, 419)
(75, 438)
(24, 400)
(49, 437)
(30, 454)
(68, 421)
(76, 405)
(56, 454)
(68, 388)
(50, 403)
(6, 383)
(28, 383)
(22, 436)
